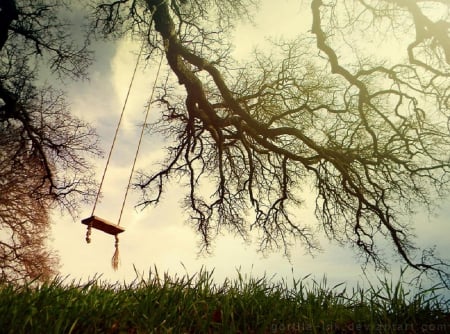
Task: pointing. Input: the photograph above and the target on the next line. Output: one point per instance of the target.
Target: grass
(195, 304)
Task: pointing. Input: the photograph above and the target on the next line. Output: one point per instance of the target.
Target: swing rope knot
(88, 233)
(115, 259)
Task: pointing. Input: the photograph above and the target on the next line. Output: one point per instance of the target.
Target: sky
(159, 236)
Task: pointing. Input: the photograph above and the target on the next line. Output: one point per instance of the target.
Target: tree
(24, 215)
(43, 148)
(370, 133)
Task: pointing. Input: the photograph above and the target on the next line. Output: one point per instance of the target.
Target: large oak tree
(369, 131)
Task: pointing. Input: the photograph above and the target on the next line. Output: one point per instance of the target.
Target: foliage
(24, 216)
(194, 304)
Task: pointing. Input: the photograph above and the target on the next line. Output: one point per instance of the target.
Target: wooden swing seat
(103, 225)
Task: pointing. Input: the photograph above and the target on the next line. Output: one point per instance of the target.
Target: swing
(102, 224)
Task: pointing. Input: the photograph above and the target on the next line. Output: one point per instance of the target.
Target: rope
(88, 233)
(115, 259)
(140, 139)
(117, 129)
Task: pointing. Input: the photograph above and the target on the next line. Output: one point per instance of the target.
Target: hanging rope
(117, 128)
(140, 138)
(89, 228)
(115, 258)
